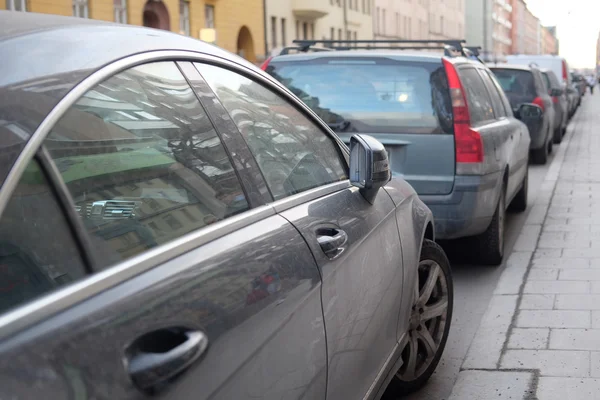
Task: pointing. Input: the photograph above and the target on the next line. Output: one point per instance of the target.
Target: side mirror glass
(529, 112)
(369, 165)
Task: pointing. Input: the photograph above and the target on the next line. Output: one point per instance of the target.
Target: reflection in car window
(293, 154)
(494, 95)
(37, 251)
(480, 104)
(143, 163)
(507, 107)
(371, 94)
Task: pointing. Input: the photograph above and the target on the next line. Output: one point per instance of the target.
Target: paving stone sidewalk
(540, 336)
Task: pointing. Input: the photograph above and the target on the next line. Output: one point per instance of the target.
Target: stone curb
(480, 376)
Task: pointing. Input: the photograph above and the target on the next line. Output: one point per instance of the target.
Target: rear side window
(547, 80)
(515, 81)
(480, 103)
(376, 95)
(494, 95)
(540, 84)
(143, 162)
(37, 252)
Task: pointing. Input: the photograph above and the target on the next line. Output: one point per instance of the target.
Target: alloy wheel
(427, 321)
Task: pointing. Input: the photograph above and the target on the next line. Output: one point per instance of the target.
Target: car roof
(57, 44)
(404, 55)
(512, 66)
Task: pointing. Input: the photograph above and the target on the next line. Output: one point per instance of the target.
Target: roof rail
(302, 49)
(451, 47)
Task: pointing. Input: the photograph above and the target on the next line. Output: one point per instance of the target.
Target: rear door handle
(332, 241)
(158, 356)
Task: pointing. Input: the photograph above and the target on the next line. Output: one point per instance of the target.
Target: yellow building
(235, 25)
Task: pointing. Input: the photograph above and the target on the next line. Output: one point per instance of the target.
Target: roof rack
(451, 47)
(302, 49)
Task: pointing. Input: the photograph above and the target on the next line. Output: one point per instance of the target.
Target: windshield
(515, 81)
(376, 95)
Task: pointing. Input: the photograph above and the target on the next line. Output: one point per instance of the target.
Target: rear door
(197, 289)
(356, 244)
(404, 103)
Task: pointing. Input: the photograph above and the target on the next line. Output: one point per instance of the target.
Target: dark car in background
(447, 126)
(560, 101)
(523, 85)
(176, 224)
(580, 82)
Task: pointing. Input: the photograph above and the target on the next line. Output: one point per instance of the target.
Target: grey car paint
(463, 202)
(561, 108)
(72, 342)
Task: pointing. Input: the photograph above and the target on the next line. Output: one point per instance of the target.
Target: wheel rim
(428, 321)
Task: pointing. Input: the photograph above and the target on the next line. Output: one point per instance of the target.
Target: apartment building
(489, 25)
(287, 20)
(235, 25)
(549, 42)
(518, 22)
(533, 33)
(419, 19)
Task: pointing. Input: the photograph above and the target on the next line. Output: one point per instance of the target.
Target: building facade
(287, 20)
(532, 33)
(235, 25)
(549, 40)
(518, 26)
(489, 25)
(419, 19)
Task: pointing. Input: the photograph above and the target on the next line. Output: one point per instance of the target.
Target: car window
(143, 162)
(515, 81)
(505, 102)
(480, 104)
(495, 97)
(376, 95)
(37, 250)
(293, 154)
(539, 82)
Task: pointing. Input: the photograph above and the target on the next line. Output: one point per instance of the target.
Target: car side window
(293, 154)
(38, 253)
(143, 163)
(499, 110)
(505, 102)
(478, 99)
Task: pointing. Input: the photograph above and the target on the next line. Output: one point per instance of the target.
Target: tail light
(539, 102)
(564, 72)
(265, 64)
(468, 143)
(555, 100)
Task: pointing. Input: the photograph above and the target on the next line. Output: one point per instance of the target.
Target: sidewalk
(540, 336)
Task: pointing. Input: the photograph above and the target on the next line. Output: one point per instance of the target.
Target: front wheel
(430, 317)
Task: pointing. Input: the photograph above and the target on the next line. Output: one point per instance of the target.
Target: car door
(511, 129)
(162, 276)
(355, 244)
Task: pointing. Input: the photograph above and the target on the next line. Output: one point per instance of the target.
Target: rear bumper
(469, 209)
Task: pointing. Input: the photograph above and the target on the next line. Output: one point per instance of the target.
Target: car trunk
(403, 104)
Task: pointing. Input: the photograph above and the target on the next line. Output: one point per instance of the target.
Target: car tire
(489, 246)
(519, 203)
(540, 156)
(550, 145)
(405, 381)
(558, 135)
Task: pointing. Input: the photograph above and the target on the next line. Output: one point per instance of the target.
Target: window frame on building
(11, 5)
(209, 16)
(120, 11)
(184, 17)
(81, 8)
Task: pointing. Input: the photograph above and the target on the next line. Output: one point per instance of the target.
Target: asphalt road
(473, 289)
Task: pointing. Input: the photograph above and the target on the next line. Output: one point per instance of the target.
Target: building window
(16, 5)
(339, 34)
(378, 21)
(355, 35)
(273, 32)
(312, 30)
(184, 17)
(332, 33)
(120, 7)
(383, 21)
(297, 29)
(209, 17)
(80, 8)
(283, 35)
(305, 30)
(364, 9)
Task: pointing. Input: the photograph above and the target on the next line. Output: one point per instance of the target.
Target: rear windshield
(515, 81)
(376, 95)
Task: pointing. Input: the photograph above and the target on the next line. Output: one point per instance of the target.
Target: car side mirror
(556, 92)
(369, 166)
(529, 112)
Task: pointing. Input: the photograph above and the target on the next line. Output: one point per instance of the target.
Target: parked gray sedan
(177, 224)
